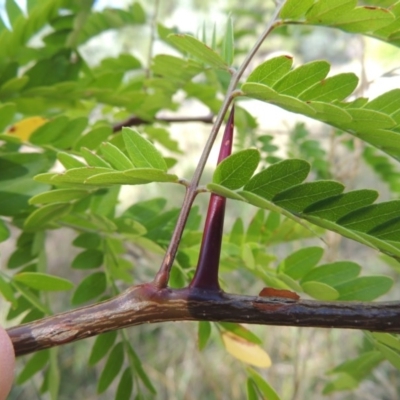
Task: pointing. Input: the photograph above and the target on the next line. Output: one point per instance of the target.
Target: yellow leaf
(24, 128)
(245, 351)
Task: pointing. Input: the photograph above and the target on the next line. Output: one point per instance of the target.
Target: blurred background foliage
(106, 89)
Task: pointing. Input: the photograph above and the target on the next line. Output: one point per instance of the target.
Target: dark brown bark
(147, 304)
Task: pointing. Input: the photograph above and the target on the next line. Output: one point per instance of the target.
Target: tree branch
(148, 304)
(135, 121)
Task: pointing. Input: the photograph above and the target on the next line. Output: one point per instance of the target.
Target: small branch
(136, 121)
(153, 27)
(162, 277)
(147, 304)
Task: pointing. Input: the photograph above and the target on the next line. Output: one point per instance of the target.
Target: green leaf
(13, 11)
(336, 87)
(49, 132)
(361, 366)
(326, 10)
(320, 291)
(343, 382)
(233, 172)
(224, 192)
(241, 331)
(13, 85)
(58, 196)
(365, 288)
(363, 19)
(175, 69)
(387, 339)
(266, 390)
(19, 258)
(87, 240)
(125, 386)
(71, 133)
(88, 259)
(330, 113)
(90, 287)
(299, 263)
(76, 175)
(139, 369)
(237, 233)
(137, 176)
(115, 157)
(93, 159)
(248, 256)
(269, 72)
(35, 364)
(197, 49)
(16, 185)
(251, 390)
(387, 103)
(256, 227)
(45, 282)
(203, 333)
(301, 78)
(112, 367)
(162, 136)
(333, 274)
(7, 112)
(4, 231)
(41, 217)
(293, 9)
(367, 218)
(141, 152)
(93, 138)
(228, 43)
(385, 140)
(278, 177)
(265, 93)
(32, 298)
(387, 231)
(7, 292)
(391, 355)
(338, 206)
(297, 198)
(365, 121)
(101, 346)
(111, 18)
(69, 161)
(122, 63)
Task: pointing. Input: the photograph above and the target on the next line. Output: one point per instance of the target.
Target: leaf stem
(162, 277)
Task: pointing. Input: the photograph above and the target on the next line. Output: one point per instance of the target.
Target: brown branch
(135, 121)
(147, 304)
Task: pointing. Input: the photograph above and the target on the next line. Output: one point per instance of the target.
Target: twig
(136, 121)
(148, 304)
(162, 277)
(153, 26)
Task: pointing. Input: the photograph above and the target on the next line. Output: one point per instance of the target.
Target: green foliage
(321, 203)
(307, 91)
(66, 173)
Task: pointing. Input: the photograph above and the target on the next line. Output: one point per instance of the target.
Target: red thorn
(206, 276)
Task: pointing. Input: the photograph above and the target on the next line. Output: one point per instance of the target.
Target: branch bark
(148, 304)
(135, 121)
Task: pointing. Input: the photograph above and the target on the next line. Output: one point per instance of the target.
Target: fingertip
(7, 364)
